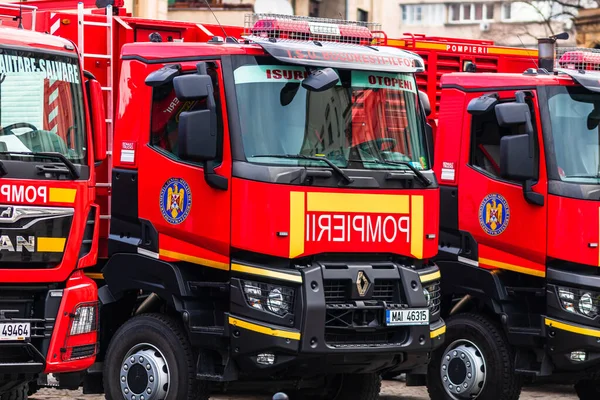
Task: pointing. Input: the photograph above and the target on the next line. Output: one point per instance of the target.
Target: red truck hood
(295, 221)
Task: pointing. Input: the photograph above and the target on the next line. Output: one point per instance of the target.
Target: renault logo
(362, 283)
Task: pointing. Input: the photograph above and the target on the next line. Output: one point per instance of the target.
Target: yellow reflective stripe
(193, 259)
(51, 245)
(266, 272)
(60, 195)
(297, 209)
(439, 331)
(416, 226)
(572, 328)
(511, 267)
(360, 203)
(94, 275)
(430, 277)
(293, 335)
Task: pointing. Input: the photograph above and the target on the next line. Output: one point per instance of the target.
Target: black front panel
(33, 237)
(37, 305)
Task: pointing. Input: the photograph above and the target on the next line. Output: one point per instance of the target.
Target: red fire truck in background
(274, 216)
(49, 221)
(517, 159)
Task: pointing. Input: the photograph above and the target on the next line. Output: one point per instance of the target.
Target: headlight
(271, 298)
(578, 301)
(433, 296)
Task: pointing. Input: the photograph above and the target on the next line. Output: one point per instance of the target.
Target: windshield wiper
(424, 180)
(55, 156)
(334, 167)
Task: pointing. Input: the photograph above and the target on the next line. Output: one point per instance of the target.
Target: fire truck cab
(517, 157)
(274, 213)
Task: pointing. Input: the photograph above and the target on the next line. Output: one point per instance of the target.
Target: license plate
(15, 331)
(419, 316)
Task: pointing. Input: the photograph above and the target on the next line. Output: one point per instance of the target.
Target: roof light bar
(313, 29)
(580, 59)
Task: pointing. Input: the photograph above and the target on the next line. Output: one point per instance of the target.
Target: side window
(485, 141)
(166, 109)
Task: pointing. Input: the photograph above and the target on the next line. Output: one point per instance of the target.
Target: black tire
(358, 387)
(501, 382)
(18, 393)
(588, 389)
(166, 335)
(33, 388)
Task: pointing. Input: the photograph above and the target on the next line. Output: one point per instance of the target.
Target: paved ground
(392, 390)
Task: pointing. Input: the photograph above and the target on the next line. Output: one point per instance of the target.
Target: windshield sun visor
(336, 55)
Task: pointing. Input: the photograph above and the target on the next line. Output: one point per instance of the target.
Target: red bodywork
(531, 237)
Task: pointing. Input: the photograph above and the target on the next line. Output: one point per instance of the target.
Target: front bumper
(48, 310)
(333, 329)
(570, 334)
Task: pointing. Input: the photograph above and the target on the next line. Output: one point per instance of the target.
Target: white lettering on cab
(23, 194)
(369, 228)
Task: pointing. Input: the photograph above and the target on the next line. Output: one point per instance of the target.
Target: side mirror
(515, 162)
(483, 104)
(197, 138)
(321, 80)
(163, 76)
(98, 119)
(425, 103)
(192, 87)
(511, 114)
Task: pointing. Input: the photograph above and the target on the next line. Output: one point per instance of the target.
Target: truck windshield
(366, 120)
(41, 104)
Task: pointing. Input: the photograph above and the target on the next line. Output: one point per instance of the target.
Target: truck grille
(337, 290)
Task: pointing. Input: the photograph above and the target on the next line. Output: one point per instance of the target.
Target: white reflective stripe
(53, 114)
(127, 155)
(206, 31)
(53, 96)
(148, 253)
(54, 129)
(55, 26)
(468, 261)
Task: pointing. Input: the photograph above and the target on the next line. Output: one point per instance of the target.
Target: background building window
(362, 15)
(470, 12)
(507, 11)
(423, 14)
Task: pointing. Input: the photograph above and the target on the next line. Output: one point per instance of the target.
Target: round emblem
(494, 214)
(175, 200)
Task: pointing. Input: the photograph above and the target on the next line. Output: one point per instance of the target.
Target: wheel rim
(463, 370)
(144, 374)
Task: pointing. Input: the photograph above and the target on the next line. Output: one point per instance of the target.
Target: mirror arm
(212, 178)
(532, 197)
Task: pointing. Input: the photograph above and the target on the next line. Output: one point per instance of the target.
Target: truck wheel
(18, 393)
(475, 363)
(357, 387)
(588, 389)
(150, 357)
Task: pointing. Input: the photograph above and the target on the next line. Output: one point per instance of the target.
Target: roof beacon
(288, 27)
(580, 59)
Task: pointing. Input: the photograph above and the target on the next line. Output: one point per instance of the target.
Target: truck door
(189, 216)
(510, 232)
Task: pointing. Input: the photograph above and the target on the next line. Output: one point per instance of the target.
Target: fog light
(577, 301)
(578, 356)
(265, 359)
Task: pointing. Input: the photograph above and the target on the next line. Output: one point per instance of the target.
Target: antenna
(20, 14)
(223, 29)
(532, 59)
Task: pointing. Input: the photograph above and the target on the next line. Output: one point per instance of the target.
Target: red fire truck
(48, 217)
(518, 168)
(272, 218)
